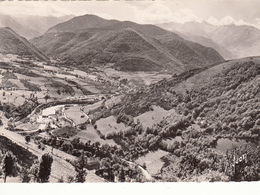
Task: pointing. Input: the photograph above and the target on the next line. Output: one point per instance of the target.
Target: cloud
(227, 20)
(152, 13)
(214, 21)
(33, 8)
(159, 12)
(257, 23)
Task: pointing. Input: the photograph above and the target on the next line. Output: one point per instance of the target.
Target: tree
(45, 168)
(59, 92)
(25, 175)
(121, 176)
(8, 164)
(79, 168)
(34, 171)
(27, 138)
(46, 97)
(144, 166)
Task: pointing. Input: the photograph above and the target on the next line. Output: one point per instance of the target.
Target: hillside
(198, 81)
(12, 43)
(30, 26)
(81, 22)
(190, 52)
(91, 40)
(207, 42)
(181, 128)
(240, 41)
(211, 105)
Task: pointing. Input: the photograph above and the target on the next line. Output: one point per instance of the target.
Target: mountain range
(91, 40)
(230, 41)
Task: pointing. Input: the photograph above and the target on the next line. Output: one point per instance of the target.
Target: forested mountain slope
(92, 41)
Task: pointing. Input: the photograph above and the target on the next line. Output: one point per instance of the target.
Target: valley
(117, 101)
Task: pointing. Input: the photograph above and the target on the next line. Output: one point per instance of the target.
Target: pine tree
(45, 168)
(25, 175)
(8, 164)
(79, 168)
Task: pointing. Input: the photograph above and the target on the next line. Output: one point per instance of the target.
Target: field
(91, 107)
(112, 101)
(28, 126)
(47, 79)
(138, 77)
(51, 110)
(109, 124)
(65, 132)
(153, 161)
(150, 118)
(74, 113)
(13, 97)
(90, 134)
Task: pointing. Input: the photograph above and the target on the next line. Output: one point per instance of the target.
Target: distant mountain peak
(82, 22)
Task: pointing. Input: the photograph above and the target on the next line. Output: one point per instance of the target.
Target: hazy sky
(146, 11)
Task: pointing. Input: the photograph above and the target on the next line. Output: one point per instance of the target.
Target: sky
(216, 12)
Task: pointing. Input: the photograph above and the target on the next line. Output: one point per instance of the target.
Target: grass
(65, 132)
(153, 161)
(91, 107)
(109, 124)
(112, 101)
(18, 83)
(91, 135)
(145, 77)
(76, 115)
(28, 126)
(153, 117)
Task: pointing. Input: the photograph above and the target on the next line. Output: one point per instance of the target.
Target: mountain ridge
(30, 26)
(241, 41)
(12, 43)
(87, 43)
